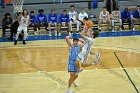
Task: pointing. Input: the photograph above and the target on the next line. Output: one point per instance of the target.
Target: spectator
(64, 20)
(81, 16)
(73, 18)
(6, 23)
(104, 18)
(33, 21)
(52, 21)
(125, 16)
(116, 17)
(41, 19)
(135, 16)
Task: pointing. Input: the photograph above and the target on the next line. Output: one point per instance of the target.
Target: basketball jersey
(74, 51)
(83, 55)
(104, 16)
(73, 15)
(24, 21)
(115, 15)
(87, 47)
(82, 15)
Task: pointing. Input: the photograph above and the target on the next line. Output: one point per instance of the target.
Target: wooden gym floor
(41, 67)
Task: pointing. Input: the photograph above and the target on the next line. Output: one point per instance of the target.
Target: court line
(137, 72)
(58, 86)
(126, 72)
(38, 69)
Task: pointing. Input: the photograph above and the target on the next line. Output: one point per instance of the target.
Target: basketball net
(17, 5)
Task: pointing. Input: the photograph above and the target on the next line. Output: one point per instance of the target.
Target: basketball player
(75, 48)
(73, 18)
(52, 21)
(104, 18)
(24, 21)
(116, 17)
(89, 38)
(63, 21)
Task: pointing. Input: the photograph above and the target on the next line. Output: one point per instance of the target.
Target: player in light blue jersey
(75, 49)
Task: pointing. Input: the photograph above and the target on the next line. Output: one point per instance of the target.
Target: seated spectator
(81, 16)
(33, 22)
(104, 18)
(116, 17)
(41, 19)
(125, 16)
(64, 20)
(6, 23)
(52, 21)
(73, 18)
(135, 16)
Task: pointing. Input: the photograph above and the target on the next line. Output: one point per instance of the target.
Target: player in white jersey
(73, 18)
(104, 18)
(86, 50)
(88, 37)
(24, 20)
(116, 17)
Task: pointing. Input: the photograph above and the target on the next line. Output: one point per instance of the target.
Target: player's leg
(120, 21)
(55, 29)
(113, 25)
(20, 28)
(100, 22)
(68, 26)
(109, 24)
(59, 27)
(93, 61)
(25, 35)
(71, 25)
(129, 22)
(77, 25)
(133, 22)
(73, 76)
(49, 26)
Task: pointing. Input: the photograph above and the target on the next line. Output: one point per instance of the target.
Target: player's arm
(100, 18)
(82, 44)
(68, 38)
(108, 15)
(83, 35)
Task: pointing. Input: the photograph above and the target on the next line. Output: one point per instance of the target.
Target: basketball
(89, 24)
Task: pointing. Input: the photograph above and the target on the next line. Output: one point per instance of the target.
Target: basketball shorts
(72, 66)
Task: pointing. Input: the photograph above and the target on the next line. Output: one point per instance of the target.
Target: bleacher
(47, 5)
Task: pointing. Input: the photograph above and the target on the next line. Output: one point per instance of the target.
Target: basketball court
(41, 67)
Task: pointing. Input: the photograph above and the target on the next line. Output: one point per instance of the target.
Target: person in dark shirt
(6, 23)
(126, 17)
(41, 19)
(135, 16)
(33, 21)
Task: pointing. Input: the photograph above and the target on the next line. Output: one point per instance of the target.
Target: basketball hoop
(17, 4)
